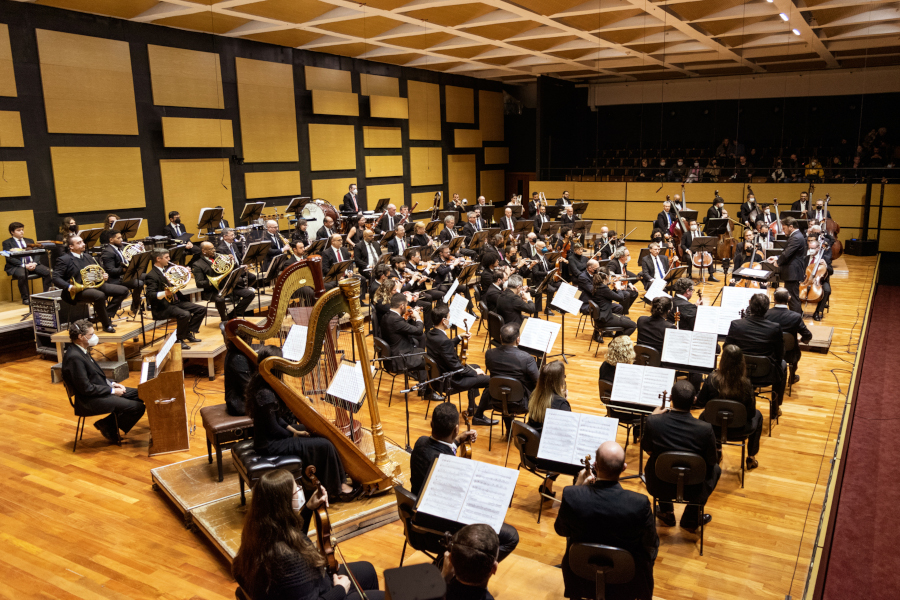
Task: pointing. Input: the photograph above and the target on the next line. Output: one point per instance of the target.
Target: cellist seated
(746, 254)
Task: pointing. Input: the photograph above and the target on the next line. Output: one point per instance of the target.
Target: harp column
(351, 290)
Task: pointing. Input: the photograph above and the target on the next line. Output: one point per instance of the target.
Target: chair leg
(402, 554)
(743, 461)
(243, 496)
(219, 463)
(508, 445)
(209, 449)
(78, 424)
(540, 507)
(702, 528)
(491, 432)
(380, 375)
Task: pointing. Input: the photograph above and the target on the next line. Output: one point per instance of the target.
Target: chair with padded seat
(600, 329)
(527, 441)
(383, 351)
(790, 343)
(601, 564)
(681, 469)
(759, 369)
(504, 391)
(627, 420)
(426, 541)
(223, 430)
(251, 466)
(726, 414)
(495, 324)
(442, 387)
(647, 356)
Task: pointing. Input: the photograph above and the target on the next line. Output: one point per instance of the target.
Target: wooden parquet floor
(88, 524)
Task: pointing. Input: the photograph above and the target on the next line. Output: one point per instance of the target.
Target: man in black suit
(508, 360)
(598, 510)
(515, 300)
(68, 267)
(442, 350)
(750, 212)
(165, 305)
(803, 204)
(471, 228)
(653, 266)
(564, 201)
(757, 336)
(230, 245)
(540, 218)
(538, 273)
(585, 284)
(792, 261)
(203, 272)
(508, 221)
(365, 255)
(445, 438)
(20, 268)
(113, 262)
(223, 222)
(492, 294)
(533, 204)
(351, 201)
(327, 230)
(406, 338)
(332, 255)
(791, 323)
(819, 213)
(389, 219)
(687, 239)
(665, 217)
(618, 266)
(529, 249)
(567, 218)
(681, 302)
(714, 211)
(174, 230)
(93, 392)
(397, 245)
(449, 230)
(812, 241)
(652, 329)
(278, 245)
(676, 430)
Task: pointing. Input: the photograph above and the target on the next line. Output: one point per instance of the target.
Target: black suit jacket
(510, 307)
(400, 335)
(510, 361)
(112, 264)
(329, 258)
(585, 284)
(361, 255)
(504, 223)
(792, 260)
(491, 296)
(68, 267)
(791, 322)
(680, 431)
(566, 220)
(648, 270)
(84, 377)
(606, 513)
(604, 297)
(712, 213)
(652, 331)
(348, 203)
(746, 209)
(170, 231)
(222, 248)
(539, 221)
(662, 223)
(688, 311)
(424, 453)
(468, 232)
(809, 206)
(323, 233)
(757, 336)
(394, 248)
(443, 351)
(577, 264)
(12, 262)
(156, 282)
(387, 222)
(203, 270)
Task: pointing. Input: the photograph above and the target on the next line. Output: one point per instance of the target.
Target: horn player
(203, 276)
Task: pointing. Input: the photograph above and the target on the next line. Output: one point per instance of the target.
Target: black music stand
(581, 228)
(552, 212)
(688, 214)
(698, 246)
(431, 227)
(136, 267)
(456, 243)
(381, 205)
(487, 213)
(523, 227)
(208, 219)
(492, 231)
(386, 237)
(579, 207)
(550, 228)
(296, 204)
(408, 252)
(478, 239)
(252, 211)
(315, 246)
(128, 227)
(337, 270)
(516, 210)
(90, 237)
(254, 256)
(770, 269)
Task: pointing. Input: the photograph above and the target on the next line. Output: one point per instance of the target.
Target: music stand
(209, 217)
(315, 246)
(387, 236)
(296, 204)
(516, 210)
(581, 228)
(408, 252)
(381, 205)
(254, 256)
(467, 273)
(128, 227)
(579, 207)
(177, 254)
(90, 236)
(431, 227)
(550, 228)
(769, 268)
(487, 213)
(137, 266)
(426, 252)
(673, 275)
(456, 243)
(700, 244)
(448, 213)
(688, 214)
(552, 212)
(523, 227)
(478, 239)
(252, 211)
(337, 270)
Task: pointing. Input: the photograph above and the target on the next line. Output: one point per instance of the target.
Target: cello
(749, 283)
(811, 289)
(677, 229)
(831, 227)
(726, 242)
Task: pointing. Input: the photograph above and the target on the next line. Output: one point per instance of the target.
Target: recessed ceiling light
(796, 31)
(770, 1)
(783, 16)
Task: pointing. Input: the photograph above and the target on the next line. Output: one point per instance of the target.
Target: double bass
(677, 229)
(831, 227)
(726, 243)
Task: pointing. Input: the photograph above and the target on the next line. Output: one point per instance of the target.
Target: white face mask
(680, 163)
(93, 340)
(297, 500)
(696, 164)
(767, 211)
(693, 228)
(811, 252)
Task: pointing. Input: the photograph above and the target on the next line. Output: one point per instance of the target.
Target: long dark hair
(257, 382)
(271, 530)
(730, 378)
(551, 380)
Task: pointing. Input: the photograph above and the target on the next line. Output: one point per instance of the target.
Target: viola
(324, 535)
(465, 449)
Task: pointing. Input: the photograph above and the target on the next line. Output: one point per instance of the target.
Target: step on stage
(214, 508)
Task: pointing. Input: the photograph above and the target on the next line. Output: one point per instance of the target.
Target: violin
(324, 535)
(465, 449)
(811, 289)
(464, 354)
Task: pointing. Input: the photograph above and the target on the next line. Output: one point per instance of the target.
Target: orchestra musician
(533, 204)
(492, 295)
(609, 243)
(333, 255)
(108, 223)
(514, 300)
(665, 218)
(802, 205)
(676, 201)
(66, 228)
(489, 262)
(189, 316)
(327, 230)
(389, 219)
(766, 218)
(472, 227)
(611, 304)
(449, 231)
(564, 201)
(792, 261)
(230, 245)
(813, 245)
(747, 252)
(20, 268)
(508, 360)
(540, 217)
(113, 262)
(298, 253)
(413, 283)
(238, 370)
(278, 242)
(67, 270)
(351, 201)
(687, 239)
(508, 221)
(757, 336)
(223, 222)
(681, 302)
(539, 272)
(175, 230)
(765, 234)
(471, 562)
(397, 245)
(568, 217)
(421, 238)
(455, 203)
(577, 260)
(749, 212)
(820, 214)
(585, 284)
(365, 255)
(652, 329)
(714, 211)
(653, 266)
(529, 248)
(300, 231)
(618, 266)
(202, 269)
(482, 223)
(406, 338)
(791, 323)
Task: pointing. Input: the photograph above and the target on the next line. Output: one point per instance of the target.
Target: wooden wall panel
(424, 111)
(551, 189)
(268, 116)
(467, 138)
(384, 166)
(186, 78)
(382, 137)
(425, 200)
(388, 107)
(7, 76)
(605, 212)
(11, 130)
(394, 191)
(426, 166)
(26, 218)
(376, 85)
(496, 155)
(97, 179)
(197, 133)
(14, 181)
(192, 184)
(642, 211)
(327, 102)
(460, 103)
(333, 190)
(332, 147)
(490, 115)
(332, 80)
(88, 85)
(492, 186)
(589, 190)
(891, 195)
(272, 184)
(889, 241)
(461, 176)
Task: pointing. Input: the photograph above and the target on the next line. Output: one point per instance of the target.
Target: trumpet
(92, 276)
(131, 250)
(178, 277)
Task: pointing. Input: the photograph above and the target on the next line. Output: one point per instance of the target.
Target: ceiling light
(770, 1)
(783, 16)
(796, 31)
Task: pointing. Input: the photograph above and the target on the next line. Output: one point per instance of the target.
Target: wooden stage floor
(88, 524)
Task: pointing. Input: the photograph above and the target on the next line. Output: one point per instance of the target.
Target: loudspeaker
(857, 247)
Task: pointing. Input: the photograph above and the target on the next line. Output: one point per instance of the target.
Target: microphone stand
(419, 386)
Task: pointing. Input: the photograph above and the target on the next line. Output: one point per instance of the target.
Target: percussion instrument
(315, 212)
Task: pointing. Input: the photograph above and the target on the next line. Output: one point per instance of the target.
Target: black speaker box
(861, 247)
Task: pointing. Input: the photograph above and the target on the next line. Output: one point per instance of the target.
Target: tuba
(223, 265)
(131, 250)
(91, 277)
(178, 277)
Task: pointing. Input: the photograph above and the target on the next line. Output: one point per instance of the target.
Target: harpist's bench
(251, 466)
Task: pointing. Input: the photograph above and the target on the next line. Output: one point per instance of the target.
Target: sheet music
(656, 381)
(295, 343)
(163, 355)
(637, 384)
(754, 272)
(735, 299)
(703, 349)
(656, 289)
(714, 319)
(538, 334)
(561, 427)
(694, 348)
(451, 291)
(348, 383)
(458, 315)
(566, 299)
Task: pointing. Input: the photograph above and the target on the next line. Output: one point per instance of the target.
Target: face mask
(297, 500)
(543, 250)
(752, 200)
(819, 207)
(811, 252)
(178, 220)
(73, 227)
(696, 164)
(680, 163)
(767, 211)
(693, 228)
(662, 163)
(93, 340)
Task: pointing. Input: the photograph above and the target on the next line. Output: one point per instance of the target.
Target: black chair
(482, 315)
(681, 469)
(383, 351)
(495, 324)
(759, 369)
(442, 387)
(790, 343)
(647, 356)
(601, 329)
(601, 564)
(630, 421)
(83, 415)
(724, 414)
(527, 441)
(240, 594)
(504, 391)
(427, 541)
(583, 319)
(13, 282)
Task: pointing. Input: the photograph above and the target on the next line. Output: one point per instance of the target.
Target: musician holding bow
(20, 268)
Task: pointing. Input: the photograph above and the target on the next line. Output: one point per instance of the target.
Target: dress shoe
(184, 345)
(193, 339)
(471, 411)
(362, 303)
(713, 279)
(26, 301)
(351, 495)
(751, 463)
(549, 313)
(693, 527)
(111, 436)
(666, 518)
(817, 316)
(109, 329)
(484, 421)
(434, 397)
(796, 379)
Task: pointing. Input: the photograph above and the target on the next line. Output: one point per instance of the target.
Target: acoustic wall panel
(26, 218)
(492, 186)
(461, 176)
(88, 85)
(387, 107)
(328, 79)
(384, 166)
(382, 137)
(376, 85)
(14, 179)
(424, 110)
(186, 78)
(425, 201)
(333, 190)
(394, 191)
(332, 147)
(460, 104)
(197, 133)
(272, 184)
(268, 116)
(467, 138)
(142, 232)
(495, 155)
(7, 76)
(426, 166)
(326, 102)
(11, 130)
(490, 115)
(605, 212)
(192, 184)
(97, 179)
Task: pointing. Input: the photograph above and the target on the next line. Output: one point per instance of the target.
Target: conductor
(792, 261)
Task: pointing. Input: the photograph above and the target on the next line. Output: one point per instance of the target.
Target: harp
(355, 431)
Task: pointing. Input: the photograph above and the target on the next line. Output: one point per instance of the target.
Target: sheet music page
(458, 315)
(703, 349)
(627, 384)
(489, 495)
(348, 383)
(566, 299)
(451, 291)
(755, 272)
(539, 334)
(735, 299)
(163, 355)
(656, 381)
(295, 343)
(656, 289)
(592, 431)
(447, 486)
(708, 319)
(677, 347)
(560, 428)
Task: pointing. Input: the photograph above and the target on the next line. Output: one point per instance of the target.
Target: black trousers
(242, 298)
(471, 383)
(366, 577)
(21, 275)
(618, 320)
(125, 410)
(538, 298)
(136, 285)
(188, 315)
(826, 294)
(97, 298)
(694, 493)
(793, 288)
(316, 451)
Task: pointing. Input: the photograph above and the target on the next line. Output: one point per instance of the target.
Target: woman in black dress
(550, 392)
(610, 312)
(277, 560)
(652, 330)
